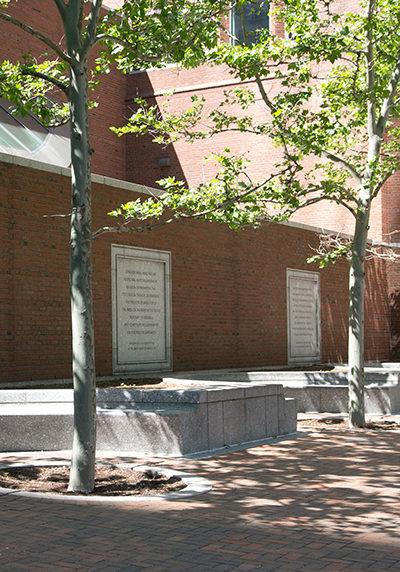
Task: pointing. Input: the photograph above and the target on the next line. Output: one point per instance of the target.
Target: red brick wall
(391, 233)
(109, 150)
(393, 287)
(228, 289)
(391, 210)
(187, 159)
(137, 158)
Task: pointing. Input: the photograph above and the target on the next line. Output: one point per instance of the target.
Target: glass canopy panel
(26, 137)
(17, 135)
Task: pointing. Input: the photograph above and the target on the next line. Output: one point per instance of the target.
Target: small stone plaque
(303, 308)
(141, 309)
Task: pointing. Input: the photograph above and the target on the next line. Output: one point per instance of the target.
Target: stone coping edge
(66, 172)
(194, 485)
(225, 391)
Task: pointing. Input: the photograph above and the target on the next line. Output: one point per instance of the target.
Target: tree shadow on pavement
(321, 501)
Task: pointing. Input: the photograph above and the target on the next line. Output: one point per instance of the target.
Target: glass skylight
(27, 137)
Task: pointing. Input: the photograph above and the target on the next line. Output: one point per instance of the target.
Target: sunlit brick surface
(327, 501)
(228, 288)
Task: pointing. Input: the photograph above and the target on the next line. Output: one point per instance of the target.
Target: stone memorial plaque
(141, 309)
(303, 316)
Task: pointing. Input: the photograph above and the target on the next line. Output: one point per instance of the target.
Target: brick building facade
(229, 290)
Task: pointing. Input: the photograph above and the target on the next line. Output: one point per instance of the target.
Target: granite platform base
(321, 391)
(164, 422)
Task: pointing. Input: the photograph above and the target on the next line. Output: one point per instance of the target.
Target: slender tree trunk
(84, 442)
(356, 320)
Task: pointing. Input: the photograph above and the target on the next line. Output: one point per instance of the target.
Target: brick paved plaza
(322, 501)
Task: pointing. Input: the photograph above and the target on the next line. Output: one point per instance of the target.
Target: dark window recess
(248, 20)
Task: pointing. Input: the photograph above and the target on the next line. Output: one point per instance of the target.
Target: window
(247, 20)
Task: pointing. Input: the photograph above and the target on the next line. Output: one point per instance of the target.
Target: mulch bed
(337, 423)
(145, 383)
(110, 480)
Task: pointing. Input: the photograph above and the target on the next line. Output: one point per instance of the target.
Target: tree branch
(61, 7)
(327, 154)
(132, 229)
(44, 39)
(57, 83)
(181, 216)
(388, 102)
(315, 200)
(345, 164)
(272, 108)
(125, 44)
(370, 57)
(92, 26)
(386, 176)
(264, 94)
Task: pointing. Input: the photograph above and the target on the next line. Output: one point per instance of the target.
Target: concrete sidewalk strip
(321, 501)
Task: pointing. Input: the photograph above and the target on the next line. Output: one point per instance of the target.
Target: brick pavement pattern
(322, 501)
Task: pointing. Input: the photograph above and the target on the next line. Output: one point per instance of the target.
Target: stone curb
(189, 394)
(194, 486)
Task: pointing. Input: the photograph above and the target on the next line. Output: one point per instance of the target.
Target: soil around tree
(145, 383)
(329, 423)
(123, 383)
(110, 480)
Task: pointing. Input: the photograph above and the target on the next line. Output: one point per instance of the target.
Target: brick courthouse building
(188, 296)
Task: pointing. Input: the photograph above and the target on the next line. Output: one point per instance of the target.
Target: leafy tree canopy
(330, 88)
(139, 35)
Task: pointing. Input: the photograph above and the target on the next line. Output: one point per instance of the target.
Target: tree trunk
(356, 321)
(84, 442)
